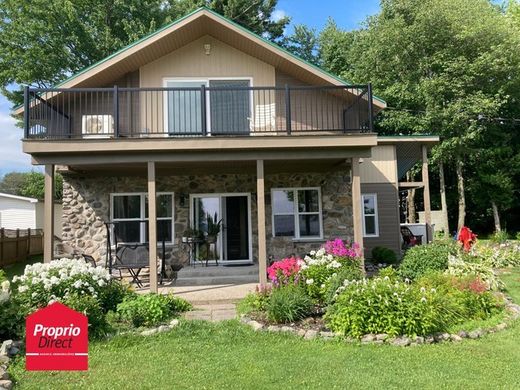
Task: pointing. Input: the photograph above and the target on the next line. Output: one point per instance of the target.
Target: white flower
(6, 285)
(77, 284)
(433, 290)
(423, 299)
(309, 281)
(101, 282)
(22, 289)
(423, 290)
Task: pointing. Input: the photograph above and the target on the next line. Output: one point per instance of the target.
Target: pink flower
(284, 271)
(341, 249)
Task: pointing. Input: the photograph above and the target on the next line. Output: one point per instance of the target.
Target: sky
(348, 14)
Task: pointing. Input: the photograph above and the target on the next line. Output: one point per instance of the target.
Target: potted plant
(191, 235)
(213, 228)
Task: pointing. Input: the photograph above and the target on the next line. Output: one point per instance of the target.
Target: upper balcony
(219, 108)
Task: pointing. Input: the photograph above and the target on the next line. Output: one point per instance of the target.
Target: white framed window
(129, 211)
(296, 212)
(370, 215)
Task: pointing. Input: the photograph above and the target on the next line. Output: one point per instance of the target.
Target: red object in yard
(467, 238)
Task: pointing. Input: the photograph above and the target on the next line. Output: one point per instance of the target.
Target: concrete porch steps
(217, 275)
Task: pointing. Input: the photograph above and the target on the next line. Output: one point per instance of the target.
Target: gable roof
(194, 25)
(23, 198)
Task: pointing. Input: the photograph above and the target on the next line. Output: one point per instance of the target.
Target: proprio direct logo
(56, 339)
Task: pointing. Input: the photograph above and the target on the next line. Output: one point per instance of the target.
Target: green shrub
(468, 297)
(463, 266)
(422, 259)
(288, 304)
(496, 255)
(499, 237)
(2, 276)
(389, 272)
(352, 272)
(150, 309)
(254, 302)
(12, 319)
(380, 254)
(381, 305)
(88, 305)
(113, 294)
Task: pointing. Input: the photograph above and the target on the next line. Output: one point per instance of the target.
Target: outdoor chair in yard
(409, 239)
(134, 257)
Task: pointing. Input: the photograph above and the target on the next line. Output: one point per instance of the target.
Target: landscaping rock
(501, 326)
(429, 340)
(3, 373)
(163, 328)
(273, 328)
(455, 338)
(244, 319)
(378, 342)
(13, 351)
(174, 322)
(327, 335)
(368, 338)
(6, 346)
(475, 334)
(310, 334)
(463, 334)
(255, 325)
(6, 384)
(149, 332)
(419, 340)
(301, 332)
(286, 329)
(381, 337)
(402, 341)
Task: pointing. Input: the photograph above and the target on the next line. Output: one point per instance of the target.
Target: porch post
(152, 226)
(356, 205)
(260, 205)
(426, 196)
(48, 214)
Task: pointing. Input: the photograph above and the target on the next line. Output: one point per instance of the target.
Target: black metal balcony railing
(52, 113)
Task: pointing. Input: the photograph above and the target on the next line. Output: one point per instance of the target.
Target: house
(20, 212)
(204, 122)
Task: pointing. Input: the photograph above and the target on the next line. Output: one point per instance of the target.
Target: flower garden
(443, 288)
(110, 305)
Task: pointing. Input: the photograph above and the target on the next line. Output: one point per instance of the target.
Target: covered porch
(228, 183)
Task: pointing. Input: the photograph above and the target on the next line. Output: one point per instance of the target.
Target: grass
(206, 355)
(18, 268)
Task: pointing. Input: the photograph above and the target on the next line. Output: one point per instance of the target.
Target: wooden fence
(17, 245)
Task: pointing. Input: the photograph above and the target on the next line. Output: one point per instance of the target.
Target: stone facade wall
(86, 206)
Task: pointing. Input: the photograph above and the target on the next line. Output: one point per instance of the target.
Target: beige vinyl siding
(388, 217)
(310, 110)
(381, 167)
(192, 62)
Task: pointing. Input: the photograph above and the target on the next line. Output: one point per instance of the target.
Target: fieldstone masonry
(86, 206)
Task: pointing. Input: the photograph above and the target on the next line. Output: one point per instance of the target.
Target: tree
(304, 43)
(29, 184)
(441, 65)
(42, 42)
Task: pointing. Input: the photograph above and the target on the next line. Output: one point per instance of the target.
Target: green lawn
(229, 355)
(18, 268)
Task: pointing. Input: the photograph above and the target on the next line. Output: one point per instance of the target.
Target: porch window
(370, 216)
(297, 212)
(130, 213)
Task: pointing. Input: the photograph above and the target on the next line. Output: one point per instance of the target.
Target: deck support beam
(426, 195)
(152, 226)
(48, 215)
(260, 205)
(356, 206)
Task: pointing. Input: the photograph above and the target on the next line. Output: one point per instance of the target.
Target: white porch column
(356, 204)
(260, 205)
(426, 196)
(48, 215)
(152, 226)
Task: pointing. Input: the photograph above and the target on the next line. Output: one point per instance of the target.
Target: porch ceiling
(208, 167)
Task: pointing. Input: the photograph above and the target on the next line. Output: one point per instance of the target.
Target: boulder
(174, 322)
(368, 338)
(6, 346)
(381, 337)
(149, 332)
(475, 334)
(6, 384)
(402, 341)
(455, 338)
(310, 334)
(255, 325)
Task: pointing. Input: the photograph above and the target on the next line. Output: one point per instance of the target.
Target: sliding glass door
(233, 242)
(230, 109)
(184, 108)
